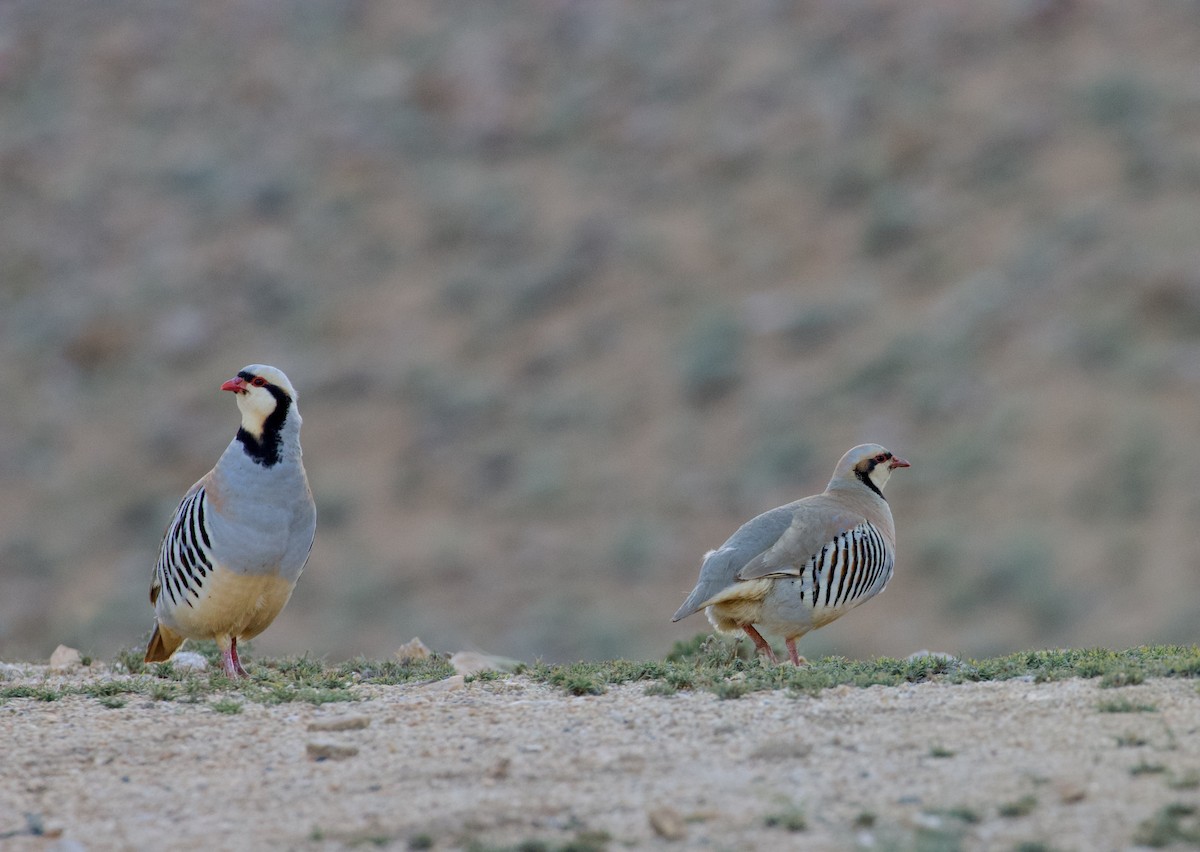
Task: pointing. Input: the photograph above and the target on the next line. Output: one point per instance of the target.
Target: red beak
(237, 384)
(897, 462)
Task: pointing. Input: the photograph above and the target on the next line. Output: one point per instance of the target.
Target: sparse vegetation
(1121, 676)
(1189, 780)
(1173, 823)
(1018, 807)
(1122, 705)
(789, 819)
(1131, 740)
(40, 693)
(279, 681)
(585, 841)
(1145, 768)
(726, 669)
(709, 663)
(228, 706)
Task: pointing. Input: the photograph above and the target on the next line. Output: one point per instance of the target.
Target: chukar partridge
(800, 566)
(231, 556)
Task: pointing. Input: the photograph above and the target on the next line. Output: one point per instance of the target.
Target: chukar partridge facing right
(800, 566)
(237, 544)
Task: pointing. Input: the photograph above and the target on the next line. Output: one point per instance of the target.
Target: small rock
(447, 684)
(329, 751)
(341, 723)
(1070, 794)
(64, 658)
(189, 660)
(668, 823)
(500, 768)
(413, 649)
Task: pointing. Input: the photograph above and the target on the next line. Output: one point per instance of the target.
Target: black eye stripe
(251, 379)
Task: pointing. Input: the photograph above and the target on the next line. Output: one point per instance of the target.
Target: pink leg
(797, 660)
(230, 661)
(760, 642)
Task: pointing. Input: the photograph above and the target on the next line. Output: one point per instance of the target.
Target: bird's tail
(163, 644)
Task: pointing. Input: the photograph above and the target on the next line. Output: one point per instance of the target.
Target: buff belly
(737, 605)
(232, 605)
(775, 605)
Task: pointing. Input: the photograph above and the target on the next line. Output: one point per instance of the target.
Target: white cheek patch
(256, 406)
(881, 474)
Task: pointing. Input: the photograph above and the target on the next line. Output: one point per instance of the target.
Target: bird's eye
(258, 382)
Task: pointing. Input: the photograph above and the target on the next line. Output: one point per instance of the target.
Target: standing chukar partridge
(231, 556)
(800, 566)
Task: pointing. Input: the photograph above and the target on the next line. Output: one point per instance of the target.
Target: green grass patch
(1145, 768)
(1173, 823)
(271, 681)
(1130, 740)
(227, 705)
(40, 693)
(111, 688)
(163, 691)
(1189, 780)
(131, 660)
(1018, 808)
(726, 669)
(584, 841)
(1122, 705)
(790, 819)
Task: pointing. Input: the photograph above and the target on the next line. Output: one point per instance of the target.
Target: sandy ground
(506, 762)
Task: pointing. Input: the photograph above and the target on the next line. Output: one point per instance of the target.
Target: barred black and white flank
(800, 566)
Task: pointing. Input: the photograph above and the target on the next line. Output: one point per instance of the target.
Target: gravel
(506, 762)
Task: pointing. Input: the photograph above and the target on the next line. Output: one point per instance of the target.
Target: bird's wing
(815, 524)
(720, 567)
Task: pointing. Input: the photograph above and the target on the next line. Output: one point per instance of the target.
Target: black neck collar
(265, 449)
(865, 479)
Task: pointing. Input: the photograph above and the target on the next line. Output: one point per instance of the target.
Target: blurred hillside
(571, 289)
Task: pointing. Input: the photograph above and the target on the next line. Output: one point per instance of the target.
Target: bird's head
(261, 392)
(870, 464)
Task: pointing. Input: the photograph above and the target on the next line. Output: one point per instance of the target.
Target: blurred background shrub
(572, 289)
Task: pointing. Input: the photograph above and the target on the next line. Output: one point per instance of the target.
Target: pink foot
(759, 642)
(795, 656)
(230, 662)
